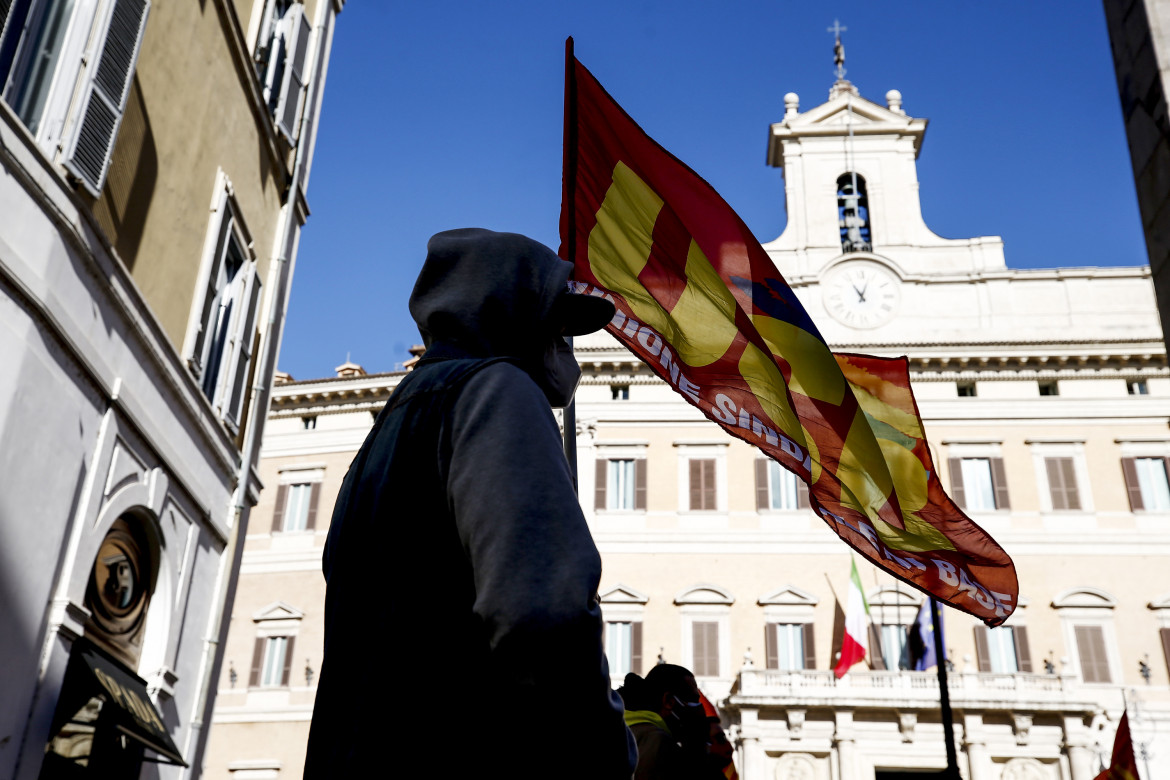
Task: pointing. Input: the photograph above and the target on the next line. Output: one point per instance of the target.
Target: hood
(489, 294)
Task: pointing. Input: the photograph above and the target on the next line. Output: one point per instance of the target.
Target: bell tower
(851, 189)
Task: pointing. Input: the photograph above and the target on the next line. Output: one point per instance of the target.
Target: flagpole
(948, 719)
(569, 416)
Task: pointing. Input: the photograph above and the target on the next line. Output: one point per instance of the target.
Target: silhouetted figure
(461, 611)
(665, 713)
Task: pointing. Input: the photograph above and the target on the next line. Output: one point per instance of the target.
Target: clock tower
(856, 248)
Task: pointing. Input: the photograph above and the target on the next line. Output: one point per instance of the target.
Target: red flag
(699, 301)
(1123, 765)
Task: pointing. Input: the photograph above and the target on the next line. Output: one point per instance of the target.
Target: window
(895, 640)
(1147, 484)
(281, 53)
(778, 488)
(296, 507)
(620, 484)
(623, 647)
(271, 661)
(1003, 650)
(619, 392)
(1049, 388)
(222, 331)
(789, 646)
(853, 213)
(702, 484)
(1137, 387)
(979, 484)
(966, 389)
(1091, 653)
(1062, 483)
(309, 423)
(43, 65)
(705, 648)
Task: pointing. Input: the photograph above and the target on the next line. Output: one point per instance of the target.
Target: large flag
(855, 645)
(1123, 765)
(700, 302)
(923, 653)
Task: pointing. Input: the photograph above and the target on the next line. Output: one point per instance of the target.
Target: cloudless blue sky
(445, 114)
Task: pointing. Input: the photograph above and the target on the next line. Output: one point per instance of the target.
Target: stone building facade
(155, 158)
(1045, 395)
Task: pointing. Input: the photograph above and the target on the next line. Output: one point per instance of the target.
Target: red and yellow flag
(699, 301)
(1123, 764)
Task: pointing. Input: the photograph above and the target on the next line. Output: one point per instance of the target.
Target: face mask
(560, 375)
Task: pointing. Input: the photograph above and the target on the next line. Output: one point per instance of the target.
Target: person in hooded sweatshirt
(462, 627)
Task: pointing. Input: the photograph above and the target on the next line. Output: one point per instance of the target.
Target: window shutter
(876, 659)
(640, 484)
(288, 659)
(771, 651)
(810, 652)
(958, 495)
(257, 662)
(708, 484)
(278, 513)
(314, 496)
(1091, 649)
(600, 475)
(1070, 483)
(982, 649)
(762, 498)
(105, 93)
(1164, 633)
(802, 501)
(696, 467)
(210, 292)
(1023, 653)
(999, 483)
(705, 641)
(636, 647)
(1132, 486)
(242, 339)
(292, 89)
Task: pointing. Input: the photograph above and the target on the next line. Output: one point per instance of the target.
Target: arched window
(853, 213)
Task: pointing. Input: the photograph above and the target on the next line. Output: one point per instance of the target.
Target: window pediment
(1084, 598)
(788, 596)
(704, 594)
(623, 594)
(277, 610)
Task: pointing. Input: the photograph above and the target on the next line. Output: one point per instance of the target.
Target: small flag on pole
(1123, 765)
(699, 301)
(855, 645)
(923, 654)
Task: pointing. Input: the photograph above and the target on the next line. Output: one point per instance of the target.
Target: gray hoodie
(461, 616)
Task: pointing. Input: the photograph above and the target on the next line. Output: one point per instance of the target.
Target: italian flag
(855, 646)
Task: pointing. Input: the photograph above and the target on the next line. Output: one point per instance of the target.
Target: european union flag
(921, 640)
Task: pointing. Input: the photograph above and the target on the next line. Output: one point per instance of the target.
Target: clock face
(861, 295)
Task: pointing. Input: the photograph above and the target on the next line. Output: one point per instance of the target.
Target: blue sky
(446, 114)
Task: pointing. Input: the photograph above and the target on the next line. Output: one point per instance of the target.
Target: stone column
(1079, 749)
(843, 740)
(751, 765)
(975, 748)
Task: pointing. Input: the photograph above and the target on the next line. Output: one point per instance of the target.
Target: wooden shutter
(810, 651)
(257, 662)
(243, 343)
(1164, 633)
(278, 512)
(707, 480)
(762, 498)
(1091, 649)
(771, 651)
(1062, 483)
(955, 467)
(288, 659)
(640, 484)
(211, 291)
(636, 647)
(705, 642)
(1023, 652)
(314, 497)
(802, 501)
(104, 95)
(999, 483)
(600, 475)
(696, 476)
(1132, 486)
(292, 89)
(876, 659)
(982, 649)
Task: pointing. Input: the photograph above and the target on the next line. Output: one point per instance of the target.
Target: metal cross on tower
(838, 48)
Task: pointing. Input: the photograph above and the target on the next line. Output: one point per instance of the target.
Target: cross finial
(838, 48)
